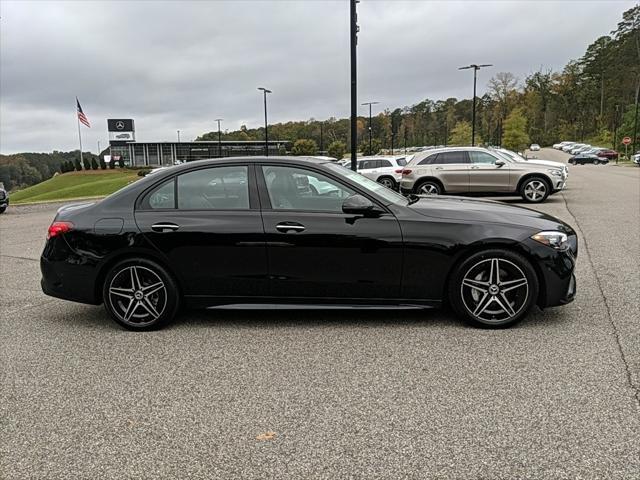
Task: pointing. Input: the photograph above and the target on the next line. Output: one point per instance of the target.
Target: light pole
(353, 29)
(266, 132)
(98, 147)
(178, 136)
(321, 138)
(370, 129)
(219, 136)
(475, 78)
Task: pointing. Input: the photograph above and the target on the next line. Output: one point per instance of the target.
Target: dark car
(607, 153)
(4, 199)
(584, 158)
(251, 230)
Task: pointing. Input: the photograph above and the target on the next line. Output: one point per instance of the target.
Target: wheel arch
(502, 244)
(131, 255)
(421, 180)
(534, 175)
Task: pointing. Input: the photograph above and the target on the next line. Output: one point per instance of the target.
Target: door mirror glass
(359, 205)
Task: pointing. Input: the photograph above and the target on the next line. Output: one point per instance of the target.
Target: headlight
(557, 173)
(557, 240)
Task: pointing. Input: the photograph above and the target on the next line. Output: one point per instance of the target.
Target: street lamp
(219, 138)
(266, 133)
(475, 76)
(353, 44)
(370, 129)
(178, 136)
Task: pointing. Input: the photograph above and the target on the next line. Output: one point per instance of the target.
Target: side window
(367, 164)
(482, 157)
(401, 162)
(384, 163)
(429, 160)
(163, 196)
(216, 188)
(293, 188)
(448, 158)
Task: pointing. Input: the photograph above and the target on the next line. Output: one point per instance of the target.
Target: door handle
(162, 227)
(475, 167)
(439, 168)
(284, 227)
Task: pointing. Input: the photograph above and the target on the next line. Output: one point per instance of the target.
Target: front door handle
(164, 227)
(439, 168)
(475, 167)
(285, 227)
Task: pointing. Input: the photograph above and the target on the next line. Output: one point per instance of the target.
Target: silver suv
(469, 170)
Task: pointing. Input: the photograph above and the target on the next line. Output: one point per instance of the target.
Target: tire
(428, 187)
(596, 162)
(483, 299)
(388, 182)
(535, 190)
(140, 295)
(2, 209)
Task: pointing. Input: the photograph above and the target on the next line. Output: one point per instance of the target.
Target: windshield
(380, 190)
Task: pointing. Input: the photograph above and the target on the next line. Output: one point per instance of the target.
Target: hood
(487, 211)
(548, 163)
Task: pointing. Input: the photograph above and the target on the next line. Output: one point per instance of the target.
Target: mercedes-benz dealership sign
(121, 129)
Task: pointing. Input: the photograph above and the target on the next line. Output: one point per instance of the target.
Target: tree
(515, 131)
(86, 161)
(376, 145)
(120, 162)
(78, 165)
(304, 146)
(94, 163)
(103, 164)
(337, 149)
(461, 134)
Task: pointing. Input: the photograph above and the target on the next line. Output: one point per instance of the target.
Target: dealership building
(123, 145)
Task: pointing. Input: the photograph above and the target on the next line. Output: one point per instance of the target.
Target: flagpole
(79, 136)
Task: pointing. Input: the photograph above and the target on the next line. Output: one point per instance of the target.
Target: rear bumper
(68, 281)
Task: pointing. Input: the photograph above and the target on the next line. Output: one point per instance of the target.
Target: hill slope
(71, 185)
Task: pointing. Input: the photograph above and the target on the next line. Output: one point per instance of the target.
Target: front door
(207, 224)
(314, 249)
(485, 175)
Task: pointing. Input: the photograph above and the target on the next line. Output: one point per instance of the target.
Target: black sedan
(301, 231)
(584, 158)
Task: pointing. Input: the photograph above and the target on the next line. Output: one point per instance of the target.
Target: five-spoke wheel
(493, 288)
(429, 187)
(140, 294)
(387, 182)
(535, 190)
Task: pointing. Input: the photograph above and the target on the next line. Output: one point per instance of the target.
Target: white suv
(384, 170)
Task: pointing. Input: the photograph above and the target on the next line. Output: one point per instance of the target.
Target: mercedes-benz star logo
(119, 125)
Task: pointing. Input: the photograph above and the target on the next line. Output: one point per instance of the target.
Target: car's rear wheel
(2, 209)
(139, 294)
(387, 182)
(429, 187)
(535, 190)
(493, 289)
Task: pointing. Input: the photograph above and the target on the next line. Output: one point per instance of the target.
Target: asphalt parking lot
(348, 393)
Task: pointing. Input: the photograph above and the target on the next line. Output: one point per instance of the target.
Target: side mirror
(500, 163)
(359, 205)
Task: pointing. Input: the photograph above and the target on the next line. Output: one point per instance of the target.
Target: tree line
(593, 99)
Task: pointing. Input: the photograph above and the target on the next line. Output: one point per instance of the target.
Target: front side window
(216, 188)
(293, 188)
(482, 158)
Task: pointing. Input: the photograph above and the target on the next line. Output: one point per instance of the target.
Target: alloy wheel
(428, 189)
(494, 290)
(387, 182)
(137, 295)
(535, 190)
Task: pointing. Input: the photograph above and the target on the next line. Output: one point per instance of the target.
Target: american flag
(81, 116)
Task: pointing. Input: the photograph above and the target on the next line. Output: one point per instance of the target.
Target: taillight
(399, 171)
(58, 228)
(406, 171)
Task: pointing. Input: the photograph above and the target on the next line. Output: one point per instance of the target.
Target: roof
(252, 159)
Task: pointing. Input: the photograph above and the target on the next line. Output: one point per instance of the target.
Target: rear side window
(216, 188)
(401, 162)
(448, 158)
(161, 197)
(384, 163)
(429, 160)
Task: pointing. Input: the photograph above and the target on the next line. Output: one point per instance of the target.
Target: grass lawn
(72, 185)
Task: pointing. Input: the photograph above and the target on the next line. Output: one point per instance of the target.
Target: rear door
(207, 224)
(485, 175)
(452, 168)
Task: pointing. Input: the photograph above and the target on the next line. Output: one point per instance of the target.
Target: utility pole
(635, 122)
(354, 82)
(615, 129)
(98, 148)
(178, 136)
(321, 138)
(266, 132)
(475, 79)
(219, 137)
(370, 125)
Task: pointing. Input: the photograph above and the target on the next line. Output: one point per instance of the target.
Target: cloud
(179, 65)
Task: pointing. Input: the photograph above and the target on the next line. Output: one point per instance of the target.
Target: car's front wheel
(139, 294)
(493, 289)
(429, 187)
(535, 190)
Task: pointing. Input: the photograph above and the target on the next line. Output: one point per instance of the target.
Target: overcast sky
(178, 65)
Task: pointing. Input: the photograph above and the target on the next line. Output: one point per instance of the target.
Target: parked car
(519, 158)
(580, 149)
(558, 146)
(474, 170)
(607, 153)
(636, 158)
(584, 158)
(570, 146)
(273, 243)
(4, 198)
(384, 170)
(534, 147)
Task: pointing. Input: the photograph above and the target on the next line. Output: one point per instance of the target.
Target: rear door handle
(475, 167)
(439, 168)
(285, 227)
(163, 227)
